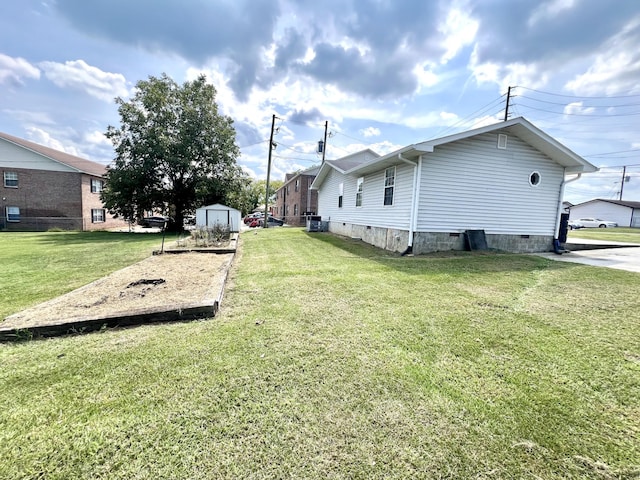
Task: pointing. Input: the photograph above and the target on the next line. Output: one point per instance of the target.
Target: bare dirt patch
(160, 281)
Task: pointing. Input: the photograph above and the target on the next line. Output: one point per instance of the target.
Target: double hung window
(11, 179)
(389, 183)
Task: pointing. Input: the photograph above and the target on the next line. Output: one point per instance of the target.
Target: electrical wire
(575, 96)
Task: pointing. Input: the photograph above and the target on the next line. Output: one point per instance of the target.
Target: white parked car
(596, 223)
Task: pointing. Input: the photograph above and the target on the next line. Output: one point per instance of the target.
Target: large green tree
(174, 151)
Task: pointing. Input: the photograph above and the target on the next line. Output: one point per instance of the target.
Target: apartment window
(97, 215)
(389, 182)
(11, 179)
(297, 184)
(13, 214)
(295, 209)
(359, 192)
(96, 185)
(340, 192)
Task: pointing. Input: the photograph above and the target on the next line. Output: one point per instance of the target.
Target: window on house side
(96, 185)
(340, 192)
(295, 209)
(389, 183)
(297, 185)
(97, 215)
(13, 214)
(534, 179)
(11, 179)
(359, 192)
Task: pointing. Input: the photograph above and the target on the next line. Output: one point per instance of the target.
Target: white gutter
(415, 197)
(562, 185)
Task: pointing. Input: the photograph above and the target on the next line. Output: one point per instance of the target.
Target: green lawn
(332, 359)
(619, 234)
(40, 266)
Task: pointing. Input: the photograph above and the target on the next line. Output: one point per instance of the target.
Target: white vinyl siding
(604, 210)
(471, 184)
(372, 212)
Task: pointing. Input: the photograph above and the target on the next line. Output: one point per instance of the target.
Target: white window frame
(359, 189)
(535, 175)
(340, 194)
(11, 176)
(389, 185)
(97, 215)
(96, 185)
(8, 214)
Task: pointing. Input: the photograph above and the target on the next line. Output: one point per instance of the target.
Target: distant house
(219, 214)
(294, 200)
(43, 188)
(624, 213)
(506, 179)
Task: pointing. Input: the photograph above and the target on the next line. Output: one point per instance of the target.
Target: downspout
(414, 201)
(556, 243)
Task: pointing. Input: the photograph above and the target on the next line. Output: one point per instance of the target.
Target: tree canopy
(174, 151)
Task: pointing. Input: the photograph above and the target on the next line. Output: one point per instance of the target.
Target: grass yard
(618, 234)
(332, 359)
(41, 266)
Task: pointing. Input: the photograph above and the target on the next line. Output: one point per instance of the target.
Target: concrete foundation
(428, 242)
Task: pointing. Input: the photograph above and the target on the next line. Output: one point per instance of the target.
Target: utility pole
(624, 175)
(506, 110)
(324, 147)
(266, 195)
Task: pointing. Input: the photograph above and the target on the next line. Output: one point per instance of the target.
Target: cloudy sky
(383, 73)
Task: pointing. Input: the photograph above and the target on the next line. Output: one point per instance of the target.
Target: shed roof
(76, 163)
(217, 206)
(623, 203)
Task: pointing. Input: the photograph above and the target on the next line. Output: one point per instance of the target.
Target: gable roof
(345, 164)
(76, 163)
(622, 203)
(311, 171)
(518, 127)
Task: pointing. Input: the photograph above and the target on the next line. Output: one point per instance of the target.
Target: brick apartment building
(43, 188)
(294, 199)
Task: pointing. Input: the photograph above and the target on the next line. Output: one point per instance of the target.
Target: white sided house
(219, 214)
(625, 214)
(506, 179)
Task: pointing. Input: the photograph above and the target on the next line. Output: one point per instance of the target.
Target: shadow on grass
(451, 262)
(81, 238)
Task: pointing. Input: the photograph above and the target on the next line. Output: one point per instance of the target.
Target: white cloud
(459, 30)
(78, 75)
(370, 132)
(40, 118)
(608, 75)
(615, 68)
(576, 108)
(42, 137)
(550, 10)
(507, 75)
(14, 70)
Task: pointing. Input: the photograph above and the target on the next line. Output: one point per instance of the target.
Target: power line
(575, 96)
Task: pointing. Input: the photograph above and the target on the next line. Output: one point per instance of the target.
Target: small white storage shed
(218, 214)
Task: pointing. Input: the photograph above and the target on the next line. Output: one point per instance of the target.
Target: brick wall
(49, 199)
(288, 200)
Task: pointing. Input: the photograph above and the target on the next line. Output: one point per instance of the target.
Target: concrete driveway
(622, 257)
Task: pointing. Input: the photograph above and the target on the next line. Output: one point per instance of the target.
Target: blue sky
(383, 73)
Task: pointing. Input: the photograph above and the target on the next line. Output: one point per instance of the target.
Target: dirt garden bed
(171, 286)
